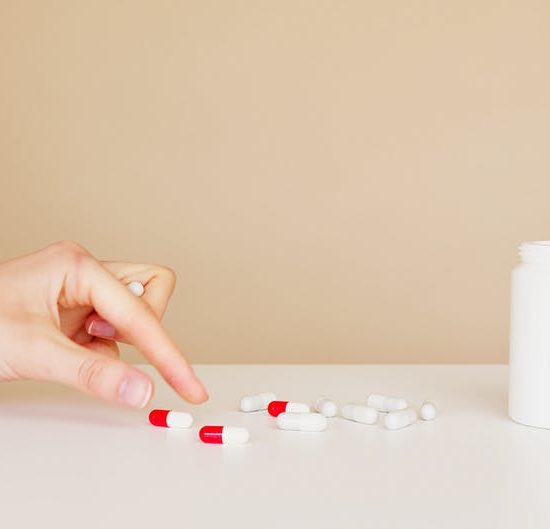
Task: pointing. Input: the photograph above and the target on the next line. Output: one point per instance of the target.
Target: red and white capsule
(277, 407)
(224, 435)
(171, 419)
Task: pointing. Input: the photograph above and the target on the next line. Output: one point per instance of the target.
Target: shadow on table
(45, 402)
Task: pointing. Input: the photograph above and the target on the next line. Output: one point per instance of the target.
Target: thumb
(97, 374)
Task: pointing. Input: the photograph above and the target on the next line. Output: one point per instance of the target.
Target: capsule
(395, 420)
(257, 402)
(227, 435)
(428, 411)
(277, 407)
(302, 422)
(171, 419)
(384, 403)
(362, 414)
(136, 288)
(326, 407)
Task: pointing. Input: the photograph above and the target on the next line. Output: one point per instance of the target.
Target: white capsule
(297, 407)
(232, 435)
(326, 407)
(428, 411)
(303, 422)
(136, 288)
(256, 402)
(395, 420)
(362, 414)
(385, 403)
(179, 419)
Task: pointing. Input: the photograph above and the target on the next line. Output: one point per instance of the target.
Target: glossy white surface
(69, 461)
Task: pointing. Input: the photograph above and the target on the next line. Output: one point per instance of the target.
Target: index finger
(133, 318)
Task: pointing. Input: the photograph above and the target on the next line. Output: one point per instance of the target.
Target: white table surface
(67, 460)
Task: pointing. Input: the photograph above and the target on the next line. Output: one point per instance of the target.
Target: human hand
(61, 311)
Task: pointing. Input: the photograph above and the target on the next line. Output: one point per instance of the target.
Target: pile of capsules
(296, 415)
(394, 411)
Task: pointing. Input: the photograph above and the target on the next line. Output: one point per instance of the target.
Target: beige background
(334, 181)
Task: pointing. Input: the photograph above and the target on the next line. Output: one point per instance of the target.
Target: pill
(326, 407)
(277, 407)
(171, 419)
(257, 402)
(385, 403)
(362, 414)
(428, 411)
(302, 422)
(136, 288)
(227, 435)
(396, 420)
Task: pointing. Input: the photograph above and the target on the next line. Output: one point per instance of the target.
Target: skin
(62, 312)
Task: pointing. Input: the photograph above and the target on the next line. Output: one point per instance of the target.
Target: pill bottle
(529, 384)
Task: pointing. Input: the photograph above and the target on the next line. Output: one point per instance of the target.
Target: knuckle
(170, 274)
(79, 268)
(90, 373)
(67, 247)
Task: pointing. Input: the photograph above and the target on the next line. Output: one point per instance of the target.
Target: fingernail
(101, 329)
(205, 395)
(135, 390)
(201, 395)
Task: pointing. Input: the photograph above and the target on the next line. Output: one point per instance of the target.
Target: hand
(61, 311)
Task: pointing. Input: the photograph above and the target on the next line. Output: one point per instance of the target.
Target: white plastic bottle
(529, 390)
